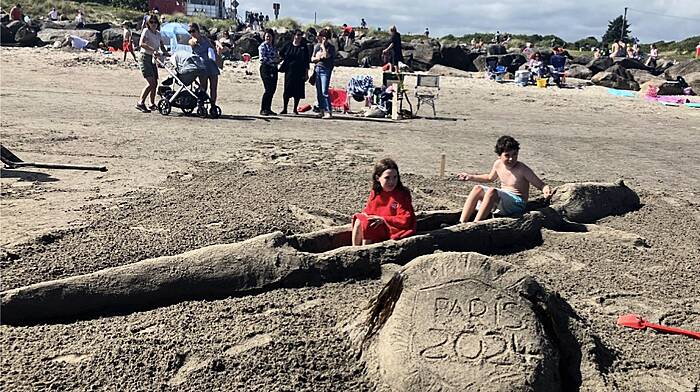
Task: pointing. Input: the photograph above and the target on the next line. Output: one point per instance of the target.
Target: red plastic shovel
(637, 322)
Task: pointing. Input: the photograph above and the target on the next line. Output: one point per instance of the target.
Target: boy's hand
(464, 176)
(547, 192)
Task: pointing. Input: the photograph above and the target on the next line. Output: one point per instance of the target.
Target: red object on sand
(637, 322)
(304, 108)
(339, 99)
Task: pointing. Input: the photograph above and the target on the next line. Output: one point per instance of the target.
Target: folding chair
(427, 91)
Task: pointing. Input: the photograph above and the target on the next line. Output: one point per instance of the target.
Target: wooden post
(395, 102)
(442, 165)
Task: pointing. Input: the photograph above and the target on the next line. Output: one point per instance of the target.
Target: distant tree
(615, 30)
(588, 42)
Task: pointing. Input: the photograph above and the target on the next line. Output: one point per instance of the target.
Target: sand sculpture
(274, 260)
(463, 321)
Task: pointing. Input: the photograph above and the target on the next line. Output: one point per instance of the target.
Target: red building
(167, 6)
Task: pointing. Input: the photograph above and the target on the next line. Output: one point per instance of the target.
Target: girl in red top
(389, 210)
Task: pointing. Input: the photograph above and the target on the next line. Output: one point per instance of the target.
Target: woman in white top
(79, 20)
(150, 42)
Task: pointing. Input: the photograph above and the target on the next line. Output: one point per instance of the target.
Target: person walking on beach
(149, 43)
(268, 72)
(295, 65)
(127, 44)
(202, 47)
(394, 49)
(324, 56)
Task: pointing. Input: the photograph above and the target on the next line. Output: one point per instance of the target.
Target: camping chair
(557, 69)
(493, 70)
(427, 90)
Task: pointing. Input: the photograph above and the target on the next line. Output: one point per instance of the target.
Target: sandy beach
(177, 183)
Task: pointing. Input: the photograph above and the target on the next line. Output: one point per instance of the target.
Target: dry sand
(177, 183)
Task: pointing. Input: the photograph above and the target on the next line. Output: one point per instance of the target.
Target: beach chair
(493, 70)
(427, 91)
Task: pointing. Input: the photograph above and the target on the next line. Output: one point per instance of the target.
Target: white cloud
(650, 20)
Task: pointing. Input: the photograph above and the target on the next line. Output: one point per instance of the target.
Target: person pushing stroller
(185, 68)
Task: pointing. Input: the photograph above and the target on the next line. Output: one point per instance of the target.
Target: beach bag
(284, 65)
(312, 78)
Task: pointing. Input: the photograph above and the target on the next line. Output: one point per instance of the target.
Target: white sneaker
(327, 116)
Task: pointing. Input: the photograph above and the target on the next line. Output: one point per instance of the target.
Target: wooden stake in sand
(442, 165)
(395, 102)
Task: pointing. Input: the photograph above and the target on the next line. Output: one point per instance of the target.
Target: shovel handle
(679, 331)
(59, 166)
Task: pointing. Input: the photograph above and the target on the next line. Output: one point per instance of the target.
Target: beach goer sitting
(653, 55)
(388, 213)
(16, 12)
(515, 177)
(53, 14)
(224, 45)
(537, 68)
(79, 20)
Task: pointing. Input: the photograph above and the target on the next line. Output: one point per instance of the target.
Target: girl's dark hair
(324, 33)
(506, 143)
(296, 32)
(271, 32)
(193, 26)
(379, 168)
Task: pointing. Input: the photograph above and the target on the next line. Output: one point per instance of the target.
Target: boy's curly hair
(506, 143)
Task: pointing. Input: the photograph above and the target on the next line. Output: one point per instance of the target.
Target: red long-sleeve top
(396, 207)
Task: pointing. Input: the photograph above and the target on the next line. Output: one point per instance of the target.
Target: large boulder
(581, 60)
(668, 87)
(616, 77)
(424, 55)
(579, 72)
(58, 24)
(629, 63)
(373, 54)
(14, 26)
(683, 68)
(600, 64)
(456, 56)
(248, 43)
(444, 70)
(345, 59)
(494, 50)
(97, 26)
(6, 36)
(642, 76)
(113, 37)
(372, 42)
(693, 80)
(52, 35)
(26, 36)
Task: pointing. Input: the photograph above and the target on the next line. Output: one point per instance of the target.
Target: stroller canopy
(176, 35)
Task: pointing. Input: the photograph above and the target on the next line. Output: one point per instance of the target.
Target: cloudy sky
(651, 20)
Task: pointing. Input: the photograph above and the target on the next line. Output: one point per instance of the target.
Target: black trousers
(268, 73)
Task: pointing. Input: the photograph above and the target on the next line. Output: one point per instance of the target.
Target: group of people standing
(294, 61)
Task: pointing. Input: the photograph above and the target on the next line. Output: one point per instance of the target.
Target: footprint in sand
(260, 340)
(190, 365)
(72, 359)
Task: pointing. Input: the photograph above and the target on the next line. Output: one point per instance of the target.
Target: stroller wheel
(201, 111)
(164, 107)
(187, 111)
(215, 111)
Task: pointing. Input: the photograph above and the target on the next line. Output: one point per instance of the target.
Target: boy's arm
(483, 178)
(532, 178)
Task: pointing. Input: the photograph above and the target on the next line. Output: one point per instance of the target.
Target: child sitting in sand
(389, 210)
(515, 178)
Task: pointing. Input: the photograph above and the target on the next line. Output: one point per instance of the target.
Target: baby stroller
(188, 96)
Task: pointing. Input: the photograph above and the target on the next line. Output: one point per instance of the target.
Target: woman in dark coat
(295, 65)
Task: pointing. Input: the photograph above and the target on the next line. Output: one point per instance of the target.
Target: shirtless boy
(515, 178)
